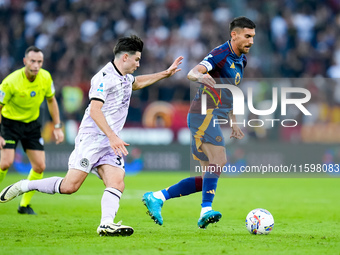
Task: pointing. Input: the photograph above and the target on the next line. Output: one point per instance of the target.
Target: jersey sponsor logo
(237, 78)
(2, 95)
(33, 93)
(84, 162)
(101, 87)
(232, 66)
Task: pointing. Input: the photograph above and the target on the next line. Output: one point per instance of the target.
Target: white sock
(159, 195)
(48, 185)
(205, 209)
(110, 205)
(24, 185)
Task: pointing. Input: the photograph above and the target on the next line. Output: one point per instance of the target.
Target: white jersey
(114, 90)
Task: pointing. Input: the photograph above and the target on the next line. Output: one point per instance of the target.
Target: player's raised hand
(174, 67)
(58, 135)
(236, 132)
(118, 145)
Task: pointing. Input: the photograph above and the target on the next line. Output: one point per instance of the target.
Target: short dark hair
(128, 44)
(241, 22)
(32, 48)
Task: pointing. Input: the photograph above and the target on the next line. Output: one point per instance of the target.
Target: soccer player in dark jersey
(21, 94)
(224, 64)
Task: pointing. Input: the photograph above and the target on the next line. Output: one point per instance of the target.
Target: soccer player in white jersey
(98, 147)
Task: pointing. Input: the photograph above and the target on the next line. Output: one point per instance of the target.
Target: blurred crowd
(294, 38)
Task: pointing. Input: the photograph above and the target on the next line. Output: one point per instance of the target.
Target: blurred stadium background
(295, 39)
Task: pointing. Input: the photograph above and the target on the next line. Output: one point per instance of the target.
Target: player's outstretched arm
(199, 74)
(142, 81)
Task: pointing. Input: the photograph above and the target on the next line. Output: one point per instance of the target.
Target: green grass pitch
(306, 214)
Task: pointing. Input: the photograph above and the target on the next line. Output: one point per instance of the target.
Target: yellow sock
(3, 174)
(26, 198)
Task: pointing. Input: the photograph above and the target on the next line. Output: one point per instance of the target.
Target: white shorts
(91, 151)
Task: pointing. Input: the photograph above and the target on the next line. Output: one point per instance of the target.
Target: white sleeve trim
(207, 65)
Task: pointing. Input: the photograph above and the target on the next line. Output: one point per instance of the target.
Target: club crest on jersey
(237, 78)
(33, 93)
(218, 139)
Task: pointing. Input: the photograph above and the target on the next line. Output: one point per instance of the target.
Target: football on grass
(259, 222)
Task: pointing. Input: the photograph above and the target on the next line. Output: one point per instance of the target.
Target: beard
(244, 50)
